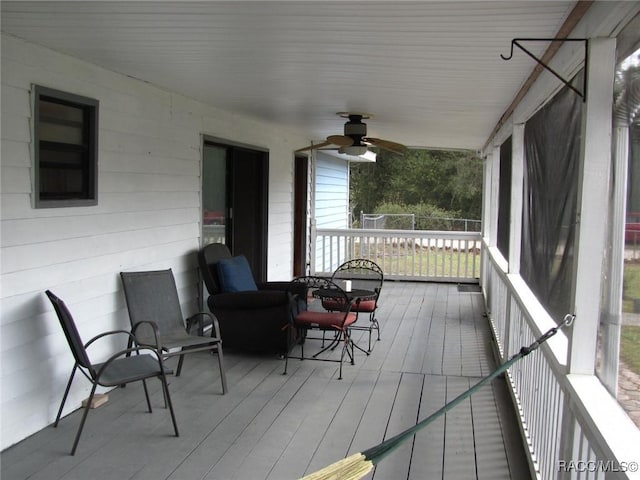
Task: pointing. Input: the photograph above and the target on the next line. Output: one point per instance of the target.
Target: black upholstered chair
(253, 319)
(153, 296)
(119, 369)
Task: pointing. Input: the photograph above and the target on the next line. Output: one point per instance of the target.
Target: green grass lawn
(424, 262)
(630, 335)
(631, 285)
(630, 347)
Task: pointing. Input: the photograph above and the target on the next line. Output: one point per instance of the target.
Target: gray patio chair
(118, 369)
(153, 296)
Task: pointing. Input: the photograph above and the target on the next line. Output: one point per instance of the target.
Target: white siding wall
(148, 217)
(331, 201)
(332, 192)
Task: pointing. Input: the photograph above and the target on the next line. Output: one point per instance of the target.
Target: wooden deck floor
(435, 344)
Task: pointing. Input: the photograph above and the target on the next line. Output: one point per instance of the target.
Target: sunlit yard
(631, 285)
(424, 262)
(630, 335)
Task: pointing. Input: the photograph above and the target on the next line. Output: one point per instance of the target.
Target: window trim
(90, 107)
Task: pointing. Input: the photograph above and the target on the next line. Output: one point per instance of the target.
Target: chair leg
(84, 418)
(286, 360)
(223, 375)
(332, 346)
(374, 320)
(66, 393)
(165, 390)
(288, 347)
(179, 369)
(345, 349)
(374, 325)
(146, 394)
(353, 345)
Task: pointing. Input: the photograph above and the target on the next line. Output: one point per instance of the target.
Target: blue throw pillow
(235, 275)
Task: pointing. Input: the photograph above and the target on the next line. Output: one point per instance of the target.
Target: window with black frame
(66, 149)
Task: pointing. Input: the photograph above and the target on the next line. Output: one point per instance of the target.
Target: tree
(420, 179)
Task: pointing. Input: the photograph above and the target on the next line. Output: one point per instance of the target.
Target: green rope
(380, 451)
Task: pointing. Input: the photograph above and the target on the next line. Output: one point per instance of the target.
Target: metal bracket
(516, 42)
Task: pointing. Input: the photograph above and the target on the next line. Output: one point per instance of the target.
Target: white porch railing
(561, 415)
(402, 254)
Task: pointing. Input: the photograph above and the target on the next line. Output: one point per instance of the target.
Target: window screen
(504, 198)
(552, 152)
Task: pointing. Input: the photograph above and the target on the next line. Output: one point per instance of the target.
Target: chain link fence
(410, 221)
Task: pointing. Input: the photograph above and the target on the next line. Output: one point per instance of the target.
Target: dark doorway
(235, 201)
(301, 172)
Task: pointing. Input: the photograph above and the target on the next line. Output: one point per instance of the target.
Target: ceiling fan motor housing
(355, 129)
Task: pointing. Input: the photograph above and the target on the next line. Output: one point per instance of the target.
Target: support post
(517, 179)
(593, 199)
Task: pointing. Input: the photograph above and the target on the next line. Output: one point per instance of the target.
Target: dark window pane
(66, 153)
(63, 174)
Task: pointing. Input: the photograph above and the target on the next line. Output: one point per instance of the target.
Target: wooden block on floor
(99, 399)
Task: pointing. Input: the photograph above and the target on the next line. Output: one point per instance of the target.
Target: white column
(515, 215)
(487, 199)
(593, 198)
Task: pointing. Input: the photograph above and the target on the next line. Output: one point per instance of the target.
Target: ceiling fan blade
(313, 147)
(340, 140)
(386, 145)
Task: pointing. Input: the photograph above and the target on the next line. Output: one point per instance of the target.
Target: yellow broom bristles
(351, 468)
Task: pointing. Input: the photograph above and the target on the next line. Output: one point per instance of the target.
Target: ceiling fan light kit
(355, 150)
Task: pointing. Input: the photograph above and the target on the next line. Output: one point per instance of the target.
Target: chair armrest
(249, 300)
(154, 329)
(108, 333)
(197, 317)
(280, 286)
(155, 351)
(194, 319)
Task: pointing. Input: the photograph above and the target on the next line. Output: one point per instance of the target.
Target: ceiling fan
(355, 140)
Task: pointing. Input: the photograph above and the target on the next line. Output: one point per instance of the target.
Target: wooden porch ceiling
(429, 71)
(435, 344)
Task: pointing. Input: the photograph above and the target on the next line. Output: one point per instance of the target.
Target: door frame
(300, 214)
(257, 260)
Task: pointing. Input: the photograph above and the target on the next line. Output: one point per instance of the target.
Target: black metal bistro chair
(307, 313)
(118, 369)
(152, 295)
(363, 274)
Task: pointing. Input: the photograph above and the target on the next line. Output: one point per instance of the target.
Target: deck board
(428, 449)
(404, 414)
(435, 343)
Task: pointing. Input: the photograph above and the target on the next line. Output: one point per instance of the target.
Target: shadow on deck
(435, 344)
